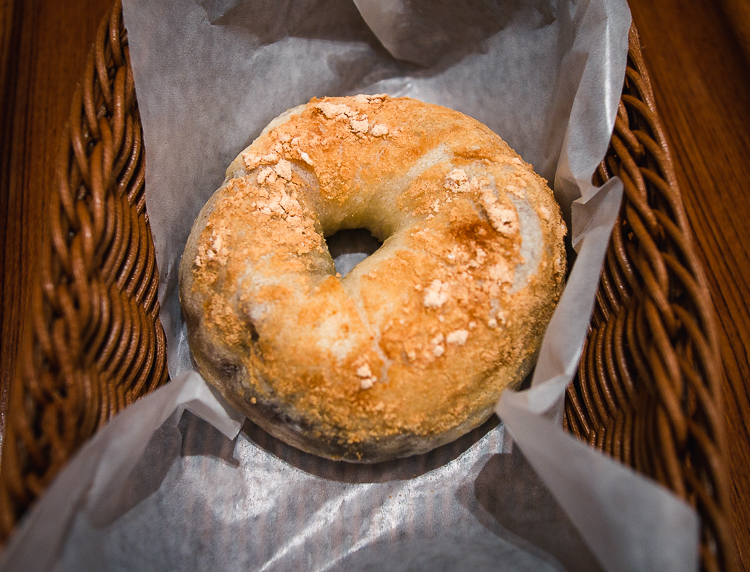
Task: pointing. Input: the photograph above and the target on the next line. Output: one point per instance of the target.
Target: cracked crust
(414, 346)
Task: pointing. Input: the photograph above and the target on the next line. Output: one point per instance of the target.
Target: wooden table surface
(698, 53)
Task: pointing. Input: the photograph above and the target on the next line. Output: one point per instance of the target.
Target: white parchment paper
(161, 490)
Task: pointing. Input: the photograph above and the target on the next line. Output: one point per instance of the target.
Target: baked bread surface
(414, 346)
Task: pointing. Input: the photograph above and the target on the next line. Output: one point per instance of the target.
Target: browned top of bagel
(414, 346)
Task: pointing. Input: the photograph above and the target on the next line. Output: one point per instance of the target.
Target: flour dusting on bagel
(412, 348)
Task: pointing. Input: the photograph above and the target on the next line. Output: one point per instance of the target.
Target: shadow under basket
(648, 389)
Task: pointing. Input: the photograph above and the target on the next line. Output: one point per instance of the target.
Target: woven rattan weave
(96, 343)
(648, 390)
(649, 386)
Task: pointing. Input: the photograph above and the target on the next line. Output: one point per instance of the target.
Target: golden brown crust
(414, 346)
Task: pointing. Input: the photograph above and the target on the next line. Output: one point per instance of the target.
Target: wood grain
(702, 86)
(8, 70)
(737, 15)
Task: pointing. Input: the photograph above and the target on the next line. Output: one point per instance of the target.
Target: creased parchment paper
(164, 489)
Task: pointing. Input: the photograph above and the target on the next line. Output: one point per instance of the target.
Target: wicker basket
(648, 391)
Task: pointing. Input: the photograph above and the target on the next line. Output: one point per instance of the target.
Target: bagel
(413, 347)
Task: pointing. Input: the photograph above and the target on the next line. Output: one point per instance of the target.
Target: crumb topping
(283, 169)
(458, 337)
(436, 294)
(338, 111)
(367, 380)
(215, 249)
(359, 126)
(458, 181)
(409, 344)
(358, 123)
(504, 217)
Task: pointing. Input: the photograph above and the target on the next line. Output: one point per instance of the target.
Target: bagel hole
(349, 247)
